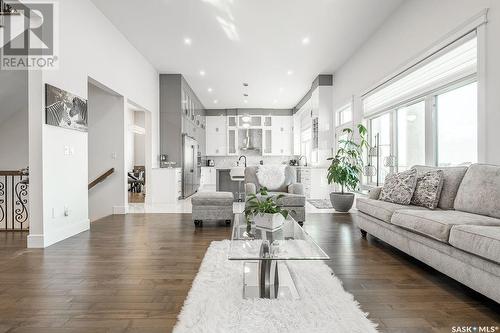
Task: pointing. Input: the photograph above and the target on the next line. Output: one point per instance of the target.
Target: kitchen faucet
(303, 157)
(243, 156)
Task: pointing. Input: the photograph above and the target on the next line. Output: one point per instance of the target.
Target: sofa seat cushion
(437, 224)
(289, 199)
(483, 241)
(452, 177)
(381, 210)
(479, 192)
(213, 199)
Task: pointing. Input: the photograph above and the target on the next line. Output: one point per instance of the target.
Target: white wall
(13, 120)
(106, 151)
(140, 139)
(90, 46)
(14, 140)
(129, 139)
(413, 28)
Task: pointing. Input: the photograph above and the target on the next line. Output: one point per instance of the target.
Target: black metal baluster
(13, 203)
(6, 203)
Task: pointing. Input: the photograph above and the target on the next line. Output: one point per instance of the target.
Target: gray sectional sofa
(461, 238)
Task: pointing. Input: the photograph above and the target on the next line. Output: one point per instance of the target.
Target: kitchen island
(225, 184)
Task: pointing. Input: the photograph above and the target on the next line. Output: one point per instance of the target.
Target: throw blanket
(271, 176)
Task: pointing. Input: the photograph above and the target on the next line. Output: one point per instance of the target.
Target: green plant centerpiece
(346, 167)
(263, 209)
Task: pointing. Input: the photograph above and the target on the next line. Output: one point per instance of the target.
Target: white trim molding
(42, 241)
(120, 210)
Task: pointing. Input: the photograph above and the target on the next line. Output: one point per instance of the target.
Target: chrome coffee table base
(268, 279)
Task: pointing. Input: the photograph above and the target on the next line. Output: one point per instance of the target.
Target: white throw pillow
(271, 176)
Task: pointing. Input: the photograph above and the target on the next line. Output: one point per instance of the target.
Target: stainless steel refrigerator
(191, 166)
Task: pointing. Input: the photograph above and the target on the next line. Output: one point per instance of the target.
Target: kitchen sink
(237, 174)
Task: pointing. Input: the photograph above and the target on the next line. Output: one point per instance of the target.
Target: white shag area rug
(215, 302)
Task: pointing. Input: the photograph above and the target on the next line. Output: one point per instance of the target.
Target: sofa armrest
(374, 192)
(296, 188)
(250, 188)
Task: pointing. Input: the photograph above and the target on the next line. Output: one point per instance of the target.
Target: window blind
(456, 61)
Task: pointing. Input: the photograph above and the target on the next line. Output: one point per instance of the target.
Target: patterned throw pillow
(428, 189)
(399, 187)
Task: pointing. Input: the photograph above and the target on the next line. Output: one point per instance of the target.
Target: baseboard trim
(35, 242)
(43, 241)
(120, 210)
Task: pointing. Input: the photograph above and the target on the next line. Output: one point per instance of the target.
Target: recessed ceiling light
(289, 72)
(216, 101)
(202, 73)
(275, 101)
(305, 40)
(246, 125)
(187, 41)
(282, 89)
(245, 101)
(209, 90)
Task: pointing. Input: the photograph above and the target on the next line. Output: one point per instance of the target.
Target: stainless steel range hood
(247, 146)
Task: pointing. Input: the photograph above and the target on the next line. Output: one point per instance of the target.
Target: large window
(427, 114)
(381, 134)
(344, 115)
(439, 129)
(410, 131)
(457, 126)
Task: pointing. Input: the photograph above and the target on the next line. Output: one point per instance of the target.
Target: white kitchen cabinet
(232, 141)
(315, 182)
(278, 140)
(208, 176)
(166, 185)
(216, 136)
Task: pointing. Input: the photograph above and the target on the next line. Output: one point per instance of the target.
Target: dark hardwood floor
(136, 197)
(132, 274)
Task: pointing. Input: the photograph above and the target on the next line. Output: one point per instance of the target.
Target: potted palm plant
(264, 210)
(346, 168)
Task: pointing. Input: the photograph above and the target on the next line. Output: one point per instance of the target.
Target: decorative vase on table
(346, 168)
(269, 221)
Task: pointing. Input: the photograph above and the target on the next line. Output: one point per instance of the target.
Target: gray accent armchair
(294, 199)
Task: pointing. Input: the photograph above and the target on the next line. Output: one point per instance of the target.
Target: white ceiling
(254, 41)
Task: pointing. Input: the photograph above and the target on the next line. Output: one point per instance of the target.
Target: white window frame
(431, 142)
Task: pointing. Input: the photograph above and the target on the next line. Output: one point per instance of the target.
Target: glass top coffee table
(265, 253)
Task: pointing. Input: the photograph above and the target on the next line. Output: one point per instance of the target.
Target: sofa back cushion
(479, 192)
(290, 178)
(452, 177)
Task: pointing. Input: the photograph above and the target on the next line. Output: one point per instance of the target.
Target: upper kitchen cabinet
(277, 135)
(231, 135)
(216, 135)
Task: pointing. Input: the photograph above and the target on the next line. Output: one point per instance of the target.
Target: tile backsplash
(230, 161)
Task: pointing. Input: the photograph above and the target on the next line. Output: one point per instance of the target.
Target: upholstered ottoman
(212, 206)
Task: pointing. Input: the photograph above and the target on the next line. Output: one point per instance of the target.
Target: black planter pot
(342, 202)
